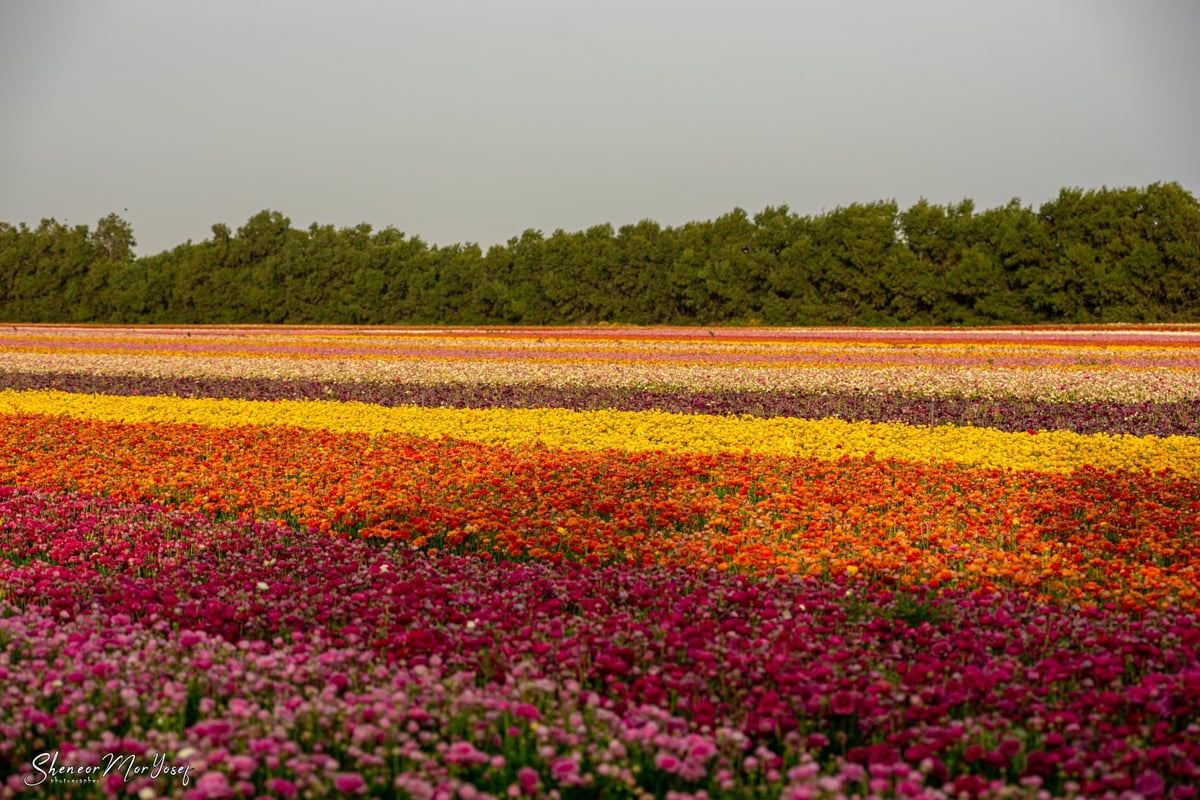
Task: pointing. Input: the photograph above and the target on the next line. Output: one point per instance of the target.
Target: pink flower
(282, 787)
(525, 711)
(666, 762)
(842, 703)
(213, 786)
(803, 772)
(465, 753)
(243, 766)
(1149, 784)
(349, 783)
(699, 747)
(1010, 747)
(563, 767)
(529, 780)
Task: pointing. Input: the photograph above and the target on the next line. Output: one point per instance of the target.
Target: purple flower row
(1167, 418)
(284, 661)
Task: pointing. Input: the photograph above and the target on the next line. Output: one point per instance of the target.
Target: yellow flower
(641, 431)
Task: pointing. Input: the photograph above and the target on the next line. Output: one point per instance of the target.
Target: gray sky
(472, 121)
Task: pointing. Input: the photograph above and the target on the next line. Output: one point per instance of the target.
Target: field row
(642, 431)
(1006, 413)
(1116, 366)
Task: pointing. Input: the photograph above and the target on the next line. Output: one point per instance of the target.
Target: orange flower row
(1090, 535)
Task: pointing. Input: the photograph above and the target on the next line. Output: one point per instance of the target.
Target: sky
(473, 121)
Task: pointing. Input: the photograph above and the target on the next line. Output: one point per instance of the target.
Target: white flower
(262, 586)
(471, 624)
(384, 568)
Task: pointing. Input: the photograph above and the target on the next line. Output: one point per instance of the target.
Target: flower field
(440, 563)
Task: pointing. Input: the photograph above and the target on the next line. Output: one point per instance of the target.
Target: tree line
(1108, 255)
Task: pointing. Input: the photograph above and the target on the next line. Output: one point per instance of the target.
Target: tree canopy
(1107, 255)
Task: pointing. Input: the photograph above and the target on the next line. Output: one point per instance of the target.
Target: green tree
(1166, 257)
(642, 254)
(1129, 254)
(114, 237)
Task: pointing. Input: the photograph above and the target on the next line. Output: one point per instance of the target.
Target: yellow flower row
(645, 431)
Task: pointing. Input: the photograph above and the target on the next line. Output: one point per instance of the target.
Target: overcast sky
(472, 121)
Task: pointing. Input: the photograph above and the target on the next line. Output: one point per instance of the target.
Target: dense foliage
(1112, 255)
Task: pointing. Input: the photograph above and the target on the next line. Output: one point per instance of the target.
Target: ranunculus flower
(842, 703)
(529, 780)
(1149, 784)
(349, 783)
(666, 762)
(465, 753)
(282, 787)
